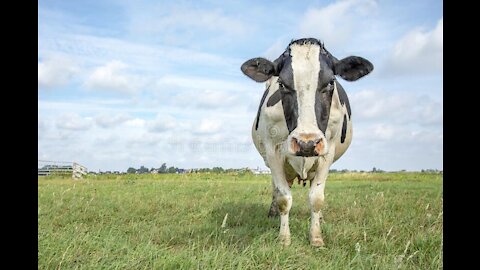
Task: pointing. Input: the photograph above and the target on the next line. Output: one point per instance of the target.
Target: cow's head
(306, 79)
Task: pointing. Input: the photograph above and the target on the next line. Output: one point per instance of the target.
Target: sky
(130, 83)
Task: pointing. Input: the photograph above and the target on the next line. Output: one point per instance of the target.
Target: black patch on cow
(289, 104)
(303, 41)
(290, 109)
(274, 98)
(344, 129)
(260, 107)
(323, 101)
(344, 99)
(324, 93)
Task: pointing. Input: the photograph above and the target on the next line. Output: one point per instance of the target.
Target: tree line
(161, 169)
(172, 169)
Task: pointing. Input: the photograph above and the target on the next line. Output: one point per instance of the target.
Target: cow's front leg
(316, 198)
(282, 196)
(273, 212)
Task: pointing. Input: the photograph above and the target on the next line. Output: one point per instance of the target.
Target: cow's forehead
(305, 41)
(326, 72)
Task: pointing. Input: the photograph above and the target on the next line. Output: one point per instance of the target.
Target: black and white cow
(303, 123)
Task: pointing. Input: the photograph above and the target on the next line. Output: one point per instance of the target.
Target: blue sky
(131, 83)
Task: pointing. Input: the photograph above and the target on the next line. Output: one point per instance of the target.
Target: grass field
(371, 221)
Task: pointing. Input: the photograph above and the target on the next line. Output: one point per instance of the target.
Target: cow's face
(306, 80)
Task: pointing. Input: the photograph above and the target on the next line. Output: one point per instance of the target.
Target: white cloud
(204, 93)
(384, 132)
(201, 83)
(73, 121)
(42, 127)
(336, 23)
(135, 123)
(180, 25)
(55, 71)
(162, 123)
(398, 108)
(208, 126)
(112, 76)
(111, 120)
(277, 48)
(418, 51)
(207, 99)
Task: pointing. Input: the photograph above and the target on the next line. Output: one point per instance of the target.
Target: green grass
(371, 221)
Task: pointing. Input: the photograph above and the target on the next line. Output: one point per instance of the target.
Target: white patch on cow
(334, 129)
(306, 67)
(335, 120)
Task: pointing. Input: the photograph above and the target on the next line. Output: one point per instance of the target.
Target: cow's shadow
(246, 222)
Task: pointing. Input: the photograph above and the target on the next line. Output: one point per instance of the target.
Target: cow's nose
(306, 147)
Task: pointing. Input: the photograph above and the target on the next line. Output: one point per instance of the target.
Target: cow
(303, 124)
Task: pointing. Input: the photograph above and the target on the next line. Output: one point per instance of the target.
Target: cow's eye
(282, 86)
(332, 82)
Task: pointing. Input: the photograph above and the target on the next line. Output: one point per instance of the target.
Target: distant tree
(142, 169)
(131, 170)
(374, 169)
(172, 170)
(163, 168)
(217, 169)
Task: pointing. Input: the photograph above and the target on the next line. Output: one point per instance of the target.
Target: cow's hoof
(317, 242)
(285, 240)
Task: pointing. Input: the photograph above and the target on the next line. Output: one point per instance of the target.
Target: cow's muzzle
(307, 147)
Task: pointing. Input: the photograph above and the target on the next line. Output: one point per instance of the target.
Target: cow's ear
(352, 68)
(258, 69)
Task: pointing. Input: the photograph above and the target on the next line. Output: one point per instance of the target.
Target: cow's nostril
(319, 147)
(295, 146)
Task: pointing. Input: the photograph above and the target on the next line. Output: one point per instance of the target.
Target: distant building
(74, 169)
(258, 171)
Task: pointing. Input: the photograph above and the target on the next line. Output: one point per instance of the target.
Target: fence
(63, 168)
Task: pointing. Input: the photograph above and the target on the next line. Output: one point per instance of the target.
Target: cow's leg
(273, 212)
(316, 198)
(283, 196)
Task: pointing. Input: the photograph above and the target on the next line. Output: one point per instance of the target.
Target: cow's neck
(302, 165)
